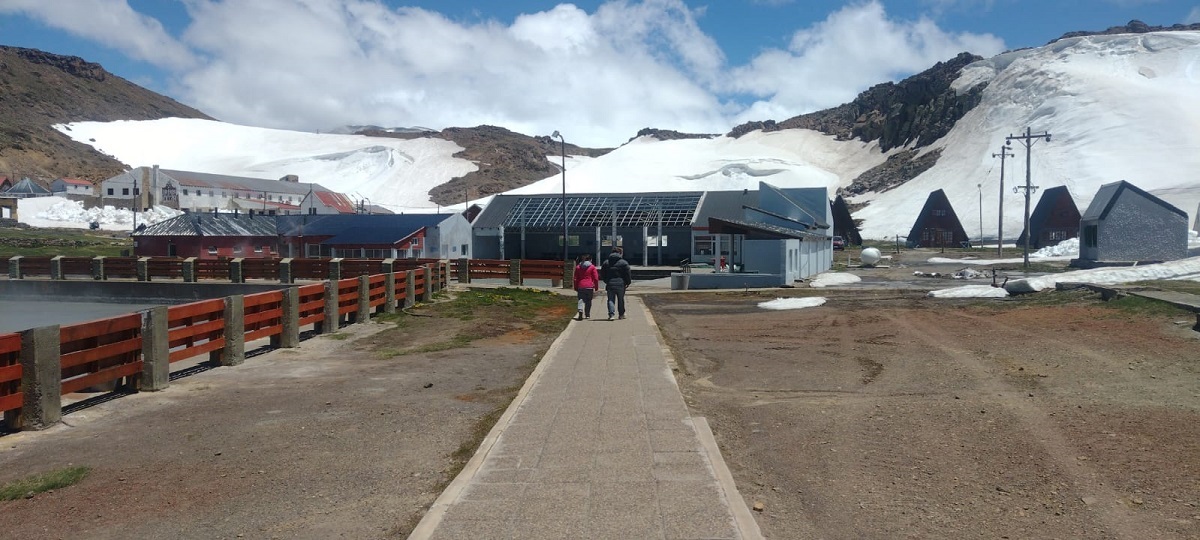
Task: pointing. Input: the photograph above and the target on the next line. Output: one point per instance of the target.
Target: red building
(210, 236)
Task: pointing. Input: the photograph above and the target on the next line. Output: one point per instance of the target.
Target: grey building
(1125, 224)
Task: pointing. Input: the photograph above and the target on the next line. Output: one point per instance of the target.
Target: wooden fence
(113, 352)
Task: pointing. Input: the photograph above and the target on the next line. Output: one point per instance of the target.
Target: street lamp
(564, 192)
(980, 187)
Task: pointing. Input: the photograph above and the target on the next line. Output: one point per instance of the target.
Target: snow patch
(970, 291)
(833, 279)
(64, 213)
(1181, 269)
(792, 303)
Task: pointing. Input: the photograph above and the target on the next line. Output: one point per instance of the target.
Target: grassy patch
(1174, 285)
(65, 242)
(43, 482)
(338, 336)
(1144, 307)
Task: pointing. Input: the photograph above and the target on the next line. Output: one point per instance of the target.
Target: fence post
(14, 267)
(189, 270)
(56, 267)
(389, 286)
(290, 336)
(98, 268)
(410, 289)
(156, 353)
(335, 269)
(285, 271)
(236, 273)
(427, 294)
(514, 272)
(568, 276)
(143, 268)
(464, 270)
(363, 314)
(331, 308)
(234, 352)
(41, 378)
(435, 277)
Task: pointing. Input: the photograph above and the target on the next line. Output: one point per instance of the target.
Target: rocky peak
(72, 65)
(1133, 27)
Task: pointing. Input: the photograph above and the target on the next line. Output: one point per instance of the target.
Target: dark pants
(616, 299)
(585, 301)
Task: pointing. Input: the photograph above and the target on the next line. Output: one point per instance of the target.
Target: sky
(596, 71)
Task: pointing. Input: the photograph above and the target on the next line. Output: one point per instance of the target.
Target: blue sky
(596, 70)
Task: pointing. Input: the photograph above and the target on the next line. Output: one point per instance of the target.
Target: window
(110, 191)
(211, 193)
(124, 191)
(237, 249)
(465, 249)
(1091, 236)
(939, 213)
(703, 245)
(185, 192)
(224, 193)
(260, 249)
(212, 250)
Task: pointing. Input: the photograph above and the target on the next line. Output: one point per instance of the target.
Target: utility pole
(1027, 140)
(1000, 228)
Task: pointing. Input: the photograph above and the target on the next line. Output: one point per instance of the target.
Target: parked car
(838, 243)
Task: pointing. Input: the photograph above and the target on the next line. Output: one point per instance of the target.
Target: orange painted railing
(312, 304)
(541, 269)
(347, 296)
(196, 328)
(489, 268)
(377, 291)
(263, 315)
(101, 351)
(11, 396)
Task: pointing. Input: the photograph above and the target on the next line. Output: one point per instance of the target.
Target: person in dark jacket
(615, 275)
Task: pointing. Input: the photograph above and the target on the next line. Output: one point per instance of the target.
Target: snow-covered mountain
(1119, 107)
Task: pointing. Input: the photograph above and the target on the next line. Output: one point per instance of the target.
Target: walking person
(587, 281)
(615, 273)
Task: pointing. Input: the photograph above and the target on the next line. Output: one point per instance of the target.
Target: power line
(1027, 140)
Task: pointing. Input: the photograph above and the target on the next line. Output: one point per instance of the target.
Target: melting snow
(792, 303)
(833, 279)
(970, 291)
(68, 214)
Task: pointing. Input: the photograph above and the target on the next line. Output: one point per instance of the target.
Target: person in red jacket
(587, 280)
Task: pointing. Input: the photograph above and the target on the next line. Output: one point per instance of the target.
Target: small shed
(72, 186)
(843, 223)
(1126, 224)
(937, 225)
(1056, 218)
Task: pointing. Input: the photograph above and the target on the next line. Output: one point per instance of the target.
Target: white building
(194, 191)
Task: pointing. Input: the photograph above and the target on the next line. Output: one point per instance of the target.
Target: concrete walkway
(597, 444)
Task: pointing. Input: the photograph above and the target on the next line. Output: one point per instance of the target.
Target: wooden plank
(183, 354)
(12, 401)
(194, 309)
(110, 350)
(10, 343)
(311, 319)
(262, 316)
(90, 329)
(252, 300)
(10, 373)
(263, 332)
(110, 374)
(181, 332)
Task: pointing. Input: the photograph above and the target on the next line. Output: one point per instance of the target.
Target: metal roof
(205, 224)
(370, 236)
(591, 210)
(1107, 197)
(724, 204)
(335, 224)
(756, 229)
(26, 187)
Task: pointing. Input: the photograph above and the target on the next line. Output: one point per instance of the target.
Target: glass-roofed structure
(655, 228)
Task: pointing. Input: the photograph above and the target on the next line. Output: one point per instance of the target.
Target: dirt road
(883, 414)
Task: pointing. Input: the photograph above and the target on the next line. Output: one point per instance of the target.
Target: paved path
(598, 444)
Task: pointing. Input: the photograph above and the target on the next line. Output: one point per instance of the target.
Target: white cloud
(852, 49)
(596, 77)
(1193, 16)
(111, 23)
